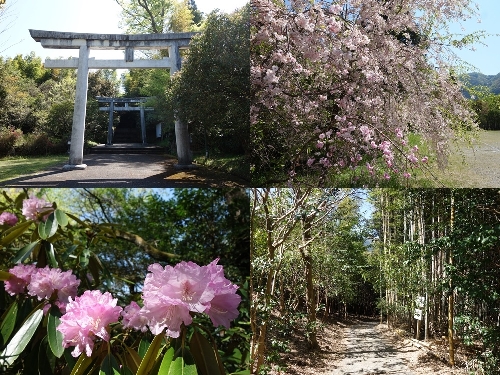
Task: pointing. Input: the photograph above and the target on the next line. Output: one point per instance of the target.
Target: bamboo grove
(317, 254)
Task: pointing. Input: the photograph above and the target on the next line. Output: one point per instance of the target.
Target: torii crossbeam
(128, 42)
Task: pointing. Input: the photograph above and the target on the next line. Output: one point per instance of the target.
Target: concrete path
(127, 170)
(369, 352)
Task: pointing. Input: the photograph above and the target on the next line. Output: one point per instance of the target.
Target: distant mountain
(493, 82)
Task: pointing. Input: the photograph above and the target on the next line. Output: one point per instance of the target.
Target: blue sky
(485, 58)
(90, 16)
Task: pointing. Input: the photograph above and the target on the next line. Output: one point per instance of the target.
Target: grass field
(473, 166)
(16, 166)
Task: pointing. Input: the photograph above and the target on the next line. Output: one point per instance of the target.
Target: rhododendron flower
(21, 277)
(33, 206)
(132, 317)
(8, 218)
(86, 318)
(224, 306)
(47, 280)
(171, 293)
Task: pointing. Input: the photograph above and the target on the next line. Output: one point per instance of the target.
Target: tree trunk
(451, 297)
(311, 297)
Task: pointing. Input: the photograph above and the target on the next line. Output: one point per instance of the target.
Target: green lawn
(235, 165)
(16, 166)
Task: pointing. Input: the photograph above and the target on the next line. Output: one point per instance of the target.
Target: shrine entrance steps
(127, 148)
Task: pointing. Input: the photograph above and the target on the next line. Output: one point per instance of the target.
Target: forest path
(369, 351)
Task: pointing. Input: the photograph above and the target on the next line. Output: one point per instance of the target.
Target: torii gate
(125, 107)
(128, 42)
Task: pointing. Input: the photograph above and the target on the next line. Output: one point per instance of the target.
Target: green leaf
(15, 232)
(61, 218)
(71, 216)
(148, 361)
(109, 366)
(48, 228)
(54, 336)
(81, 365)
(94, 267)
(204, 355)
(143, 347)
(244, 372)
(132, 359)
(49, 249)
(8, 323)
(183, 364)
(4, 276)
(166, 362)
(21, 339)
(25, 252)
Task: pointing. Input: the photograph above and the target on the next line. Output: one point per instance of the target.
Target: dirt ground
(366, 347)
(476, 165)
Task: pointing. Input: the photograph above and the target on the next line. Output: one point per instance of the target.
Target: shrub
(8, 138)
(40, 145)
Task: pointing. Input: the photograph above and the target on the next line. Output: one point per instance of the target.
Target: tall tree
(211, 92)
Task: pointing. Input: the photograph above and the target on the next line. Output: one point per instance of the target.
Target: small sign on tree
(418, 314)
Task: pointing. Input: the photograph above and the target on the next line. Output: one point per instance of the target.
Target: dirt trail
(368, 351)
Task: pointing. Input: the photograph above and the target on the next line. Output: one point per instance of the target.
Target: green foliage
(37, 103)
(211, 93)
(90, 248)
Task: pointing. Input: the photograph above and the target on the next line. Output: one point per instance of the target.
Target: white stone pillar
(143, 124)
(110, 124)
(184, 157)
(78, 130)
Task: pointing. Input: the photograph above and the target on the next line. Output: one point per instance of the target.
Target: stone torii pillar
(128, 42)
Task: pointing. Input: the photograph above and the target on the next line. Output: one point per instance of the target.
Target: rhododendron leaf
(143, 348)
(61, 217)
(4, 275)
(54, 336)
(148, 361)
(46, 361)
(24, 252)
(109, 366)
(244, 372)
(21, 339)
(48, 228)
(204, 355)
(132, 359)
(81, 365)
(12, 233)
(71, 216)
(51, 255)
(8, 323)
(166, 361)
(94, 267)
(183, 364)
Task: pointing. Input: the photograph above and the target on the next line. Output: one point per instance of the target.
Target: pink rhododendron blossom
(224, 306)
(21, 277)
(47, 280)
(425, 159)
(132, 317)
(8, 218)
(171, 293)
(33, 206)
(87, 318)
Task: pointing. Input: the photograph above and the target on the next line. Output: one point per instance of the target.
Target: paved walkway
(127, 170)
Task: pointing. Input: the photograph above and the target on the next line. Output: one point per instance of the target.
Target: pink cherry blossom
(8, 218)
(87, 318)
(20, 279)
(33, 206)
(132, 317)
(49, 280)
(317, 66)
